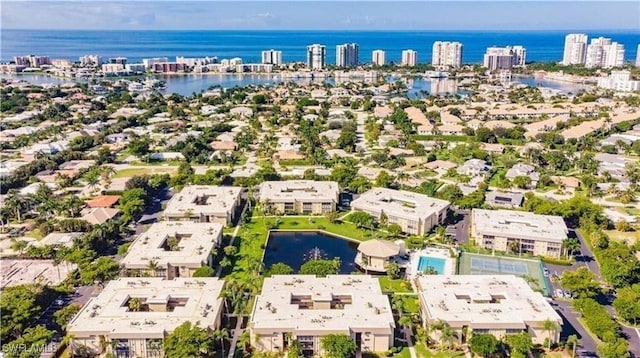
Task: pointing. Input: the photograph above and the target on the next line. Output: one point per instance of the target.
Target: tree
(221, 334)
(394, 231)
(230, 250)
(393, 270)
(343, 174)
(139, 146)
(446, 334)
(135, 304)
(320, 267)
(522, 181)
(550, 327)
(204, 271)
(279, 268)
(187, 341)
(623, 225)
(33, 339)
(359, 184)
(572, 340)
(361, 219)
(581, 282)
(18, 305)
(384, 180)
(450, 192)
(483, 344)
(103, 269)
(65, 314)
(338, 345)
(571, 245)
(627, 303)
(614, 348)
(520, 344)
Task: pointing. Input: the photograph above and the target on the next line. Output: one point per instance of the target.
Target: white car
(559, 293)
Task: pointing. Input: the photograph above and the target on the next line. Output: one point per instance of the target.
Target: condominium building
(619, 81)
(272, 57)
(131, 317)
(504, 58)
(518, 231)
(499, 305)
(307, 308)
(316, 56)
(300, 196)
(638, 56)
(378, 57)
(90, 61)
(32, 60)
(602, 52)
(409, 58)
(150, 62)
(416, 213)
(204, 203)
(446, 54)
(172, 249)
(347, 55)
(575, 49)
(118, 60)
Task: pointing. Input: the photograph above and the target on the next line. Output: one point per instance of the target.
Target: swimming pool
(436, 262)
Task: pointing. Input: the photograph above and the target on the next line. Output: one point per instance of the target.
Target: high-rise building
(602, 52)
(90, 60)
(316, 56)
(347, 55)
(638, 56)
(446, 54)
(409, 58)
(504, 58)
(32, 60)
(575, 49)
(118, 60)
(378, 58)
(150, 62)
(272, 57)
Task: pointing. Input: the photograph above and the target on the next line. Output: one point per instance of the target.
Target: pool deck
(439, 253)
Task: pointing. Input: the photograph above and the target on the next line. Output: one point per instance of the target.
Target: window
(306, 207)
(288, 206)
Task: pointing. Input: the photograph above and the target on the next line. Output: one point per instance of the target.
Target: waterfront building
(168, 67)
(118, 60)
(504, 58)
(307, 308)
(518, 231)
(254, 67)
(347, 55)
(176, 248)
(409, 58)
(90, 61)
(378, 58)
(32, 61)
(499, 305)
(446, 54)
(204, 203)
(316, 56)
(575, 49)
(112, 68)
(416, 213)
(61, 63)
(150, 62)
(604, 53)
(300, 196)
(272, 57)
(619, 81)
(638, 56)
(196, 61)
(135, 67)
(131, 317)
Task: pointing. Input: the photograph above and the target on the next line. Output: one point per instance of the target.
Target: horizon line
(632, 30)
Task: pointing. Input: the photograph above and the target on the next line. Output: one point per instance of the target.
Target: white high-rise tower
(575, 49)
(446, 54)
(378, 58)
(347, 55)
(316, 56)
(272, 57)
(409, 58)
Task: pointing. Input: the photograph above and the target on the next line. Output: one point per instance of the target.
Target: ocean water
(135, 45)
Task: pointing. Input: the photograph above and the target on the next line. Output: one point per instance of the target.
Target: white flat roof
(399, 203)
(274, 310)
(195, 244)
(217, 200)
(519, 224)
(483, 301)
(20, 272)
(108, 313)
(299, 190)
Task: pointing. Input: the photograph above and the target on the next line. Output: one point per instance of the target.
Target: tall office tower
(272, 57)
(504, 58)
(638, 56)
(316, 56)
(446, 54)
(347, 55)
(575, 49)
(409, 58)
(378, 58)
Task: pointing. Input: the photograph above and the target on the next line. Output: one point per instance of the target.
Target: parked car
(559, 293)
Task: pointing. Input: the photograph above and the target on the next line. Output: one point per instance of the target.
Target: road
(461, 228)
(361, 143)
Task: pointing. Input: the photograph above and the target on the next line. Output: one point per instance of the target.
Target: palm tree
(573, 341)
(152, 266)
(244, 342)
(571, 245)
(221, 334)
(15, 203)
(406, 322)
(19, 245)
(135, 304)
(550, 327)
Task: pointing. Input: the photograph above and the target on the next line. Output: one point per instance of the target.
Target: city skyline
(322, 15)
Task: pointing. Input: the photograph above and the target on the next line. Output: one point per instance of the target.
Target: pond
(296, 248)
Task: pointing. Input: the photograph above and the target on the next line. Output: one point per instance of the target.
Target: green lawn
(347, 230)
(129, 172)
(423, 352)
(294, 162)
(389, 285)
(36, 234)
(627, 237)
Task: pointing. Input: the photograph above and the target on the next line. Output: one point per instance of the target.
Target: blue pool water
(435, 262)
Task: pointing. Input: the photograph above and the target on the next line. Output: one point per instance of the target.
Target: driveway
(571, 325)
(461, 228)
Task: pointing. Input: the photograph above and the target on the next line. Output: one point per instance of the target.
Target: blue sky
(317, 15)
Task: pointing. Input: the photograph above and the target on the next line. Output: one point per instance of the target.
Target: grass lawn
(411, 303)
(389, 285)
(347, 230)
(129, 172)
(627, 237)
(423, 352)
(36, 234)
(295, 162)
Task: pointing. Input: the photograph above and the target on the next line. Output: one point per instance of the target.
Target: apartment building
(150, 62)
(307, 308)
(204, 203)
(409, 58)
(171, 249)
(300, 196)
(638, 56)
(131, 317)
(446, 54)
(90, 61)
(499, 305)
(32, 60)
(378, 58)
(347, 55)
(272, 57)
(575, 49)
(504, 58)
(416, 213)
(619, 81)
(518, 231)
(316, 56)
(602, 52)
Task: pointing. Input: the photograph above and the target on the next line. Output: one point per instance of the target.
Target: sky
(321, 15)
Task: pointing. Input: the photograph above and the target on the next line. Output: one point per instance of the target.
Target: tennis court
(530, 270)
